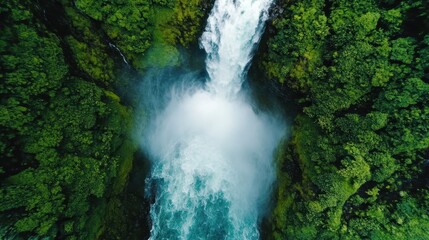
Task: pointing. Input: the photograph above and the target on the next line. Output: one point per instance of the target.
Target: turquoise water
(211, 150)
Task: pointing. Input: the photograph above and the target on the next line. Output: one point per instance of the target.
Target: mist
(211, 147)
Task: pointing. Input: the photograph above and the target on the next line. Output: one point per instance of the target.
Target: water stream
(212, 151)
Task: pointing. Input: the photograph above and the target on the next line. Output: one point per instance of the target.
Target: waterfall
(233, 29)
(212, 152)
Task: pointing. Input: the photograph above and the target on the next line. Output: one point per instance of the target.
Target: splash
(212, 152)
(233, 30)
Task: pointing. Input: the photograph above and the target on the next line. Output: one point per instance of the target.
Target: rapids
(212, 151)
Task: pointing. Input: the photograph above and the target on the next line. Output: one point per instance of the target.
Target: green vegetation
(174, 22)
(125, 22)
(354, 168)
(65, 131)
(135, 26)
(60, 134)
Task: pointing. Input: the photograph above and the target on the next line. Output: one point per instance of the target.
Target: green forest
(356, 165)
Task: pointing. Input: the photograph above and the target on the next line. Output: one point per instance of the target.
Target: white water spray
(212, 153)
(233, 30)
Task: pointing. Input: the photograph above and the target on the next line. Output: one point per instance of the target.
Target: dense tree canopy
(356, 166)
(65, 133)
(361, 142)
(60, 133)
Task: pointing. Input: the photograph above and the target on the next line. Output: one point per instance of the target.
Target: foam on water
(233, 29)
(212, 152)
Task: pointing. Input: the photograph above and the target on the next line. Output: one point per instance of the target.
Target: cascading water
(233, 30)
(212, 153)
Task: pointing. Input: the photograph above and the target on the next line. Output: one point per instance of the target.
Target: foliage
(175, 23)
(360, 144)
(61, 134)
(64, 139)
(135, 26)
(125, 22)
